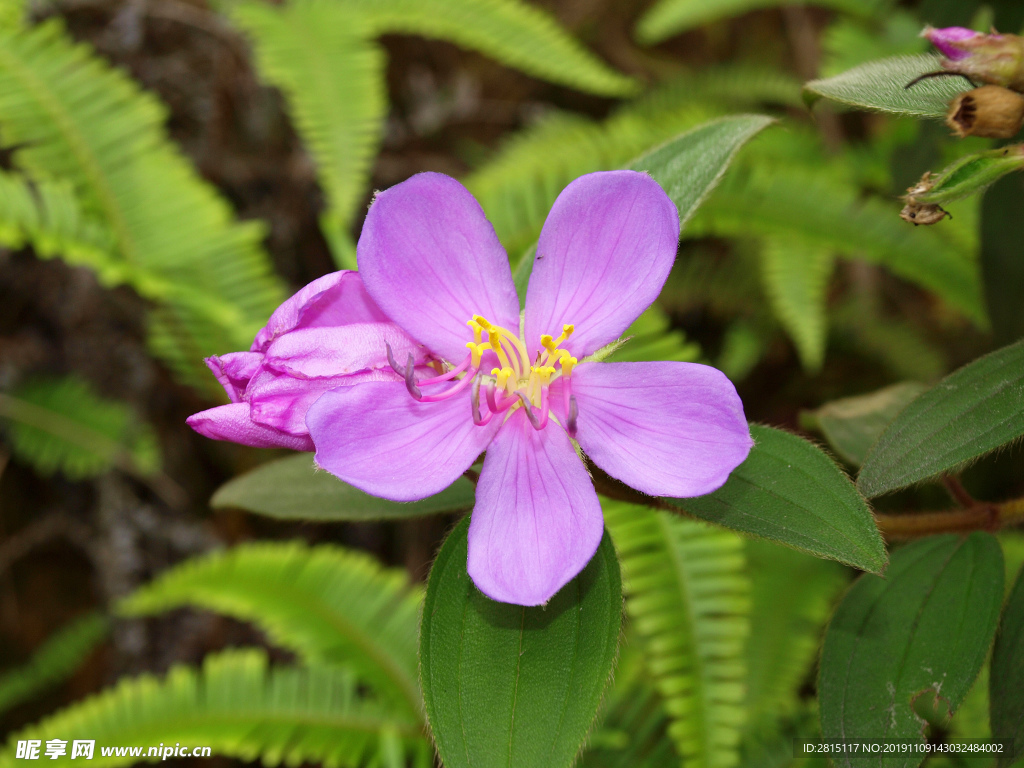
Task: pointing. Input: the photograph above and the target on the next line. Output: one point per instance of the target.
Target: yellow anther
(502, 376)
(548, 343)
(482, 322)
(495, 338)
(477, 350)
(567, 362)
(477, 330)
(567, 330)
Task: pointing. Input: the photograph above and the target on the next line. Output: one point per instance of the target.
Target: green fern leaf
(515, 33)
(324, 603)
(792, 598)
(61, 425)
(670, 17)
(689, 597)
(519, 184)
(77, 119)
(317, 53)
(634, 728)
(796, 281)
(823, 210)
(54, 661)
(239, 708)
(651, 337)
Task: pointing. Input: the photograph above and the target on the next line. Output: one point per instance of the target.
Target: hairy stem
(980, 516)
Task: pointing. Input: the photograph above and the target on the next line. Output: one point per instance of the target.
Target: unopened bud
(995, 59)
(991, 112)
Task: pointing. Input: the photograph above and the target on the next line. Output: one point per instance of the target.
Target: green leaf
(670, 17)
(1006, 692)
(325, 603)
(969, 413)
(240, 708)
(1002, 267)
(923, 630)
(971, 174)
(61, 425)
(651, 337)
(880, 85)
(852, 425)
(689, 166)
(796, 278)
(688, 594)
(789, 491)
(53, 661)
(294, 489)
(506, 685)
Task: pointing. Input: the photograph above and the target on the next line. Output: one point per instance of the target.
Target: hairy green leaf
(852, 425)
(507, 685)
(240, 708)
(53, 661)
(689, 598)
(789, 491)
(325, 603)
(796, 278)
(971, 174)
(60, 425)
(923, 630)
(76, 118)
(670, 17)
(881, 85)
(1006, 691)
(293, 488)
(969, 413)
(689, 166)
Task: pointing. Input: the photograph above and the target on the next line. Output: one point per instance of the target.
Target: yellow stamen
(495, 339)
(482, 322)
(477, 330)
(477, 350)
(567, 362)
(501, 376)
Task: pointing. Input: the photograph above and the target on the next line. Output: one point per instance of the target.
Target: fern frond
(325, 603)
(634, 728)
(688, 594)
(824, 211)
(515, 33)
(317, 53)
(791, 600)
(518, 185)
(670, 17)
(240, 708)
(61, 425)
(78, 119)
(651, 337)
(53, 661)
(796, 281)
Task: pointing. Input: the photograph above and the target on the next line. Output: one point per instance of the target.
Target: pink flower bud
(993, 58)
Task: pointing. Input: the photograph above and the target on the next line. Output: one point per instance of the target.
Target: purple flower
(330, 334)
(994, 58)
(432, 262)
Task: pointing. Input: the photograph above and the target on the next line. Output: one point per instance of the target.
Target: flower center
(516, 382)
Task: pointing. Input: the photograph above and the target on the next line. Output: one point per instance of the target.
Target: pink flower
(329, 334)
(432, 262)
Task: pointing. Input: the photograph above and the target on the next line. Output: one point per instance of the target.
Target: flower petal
(332, 300)
(232, 422)
(376, 437)
(431, 260)
(946, 40)
(312, 353)
(234, 370)
(667, 429)
(604, 253)
(281, 401)
(537, 521)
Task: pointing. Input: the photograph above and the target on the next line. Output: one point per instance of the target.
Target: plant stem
(980, 516)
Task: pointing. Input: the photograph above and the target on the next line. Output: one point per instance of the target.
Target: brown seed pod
(992, 112)
(922, 213)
